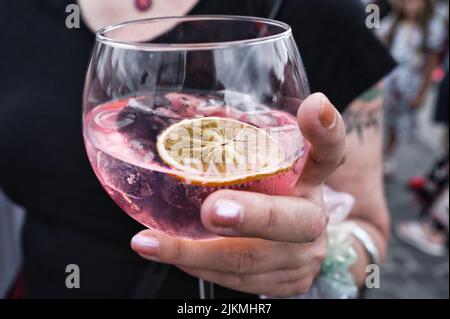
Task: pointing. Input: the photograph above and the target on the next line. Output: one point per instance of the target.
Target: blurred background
(416, 161)
(409, 272)
(416, 154)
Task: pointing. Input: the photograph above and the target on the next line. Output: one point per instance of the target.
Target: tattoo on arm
(360, 119)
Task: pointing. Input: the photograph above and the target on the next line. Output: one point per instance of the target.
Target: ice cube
(185, 105)
(145, 125)
(181, 195)
(126, 178)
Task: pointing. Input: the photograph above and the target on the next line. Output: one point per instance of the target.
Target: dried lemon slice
(217, 152)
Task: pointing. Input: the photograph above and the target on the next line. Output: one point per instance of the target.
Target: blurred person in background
(430, 233)
(71, 220)
(415, 36)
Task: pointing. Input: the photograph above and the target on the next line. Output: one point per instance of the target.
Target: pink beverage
(121, 137)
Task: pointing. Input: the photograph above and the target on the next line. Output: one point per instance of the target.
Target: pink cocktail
(121, 141)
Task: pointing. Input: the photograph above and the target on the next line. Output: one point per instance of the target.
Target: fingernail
(327, 115)
(228, 213)
(146, 245)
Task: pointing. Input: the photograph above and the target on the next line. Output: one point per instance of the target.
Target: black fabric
(385, 7)
(43, 165)
(441, 115)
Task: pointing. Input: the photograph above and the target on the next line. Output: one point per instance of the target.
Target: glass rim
(101, 37)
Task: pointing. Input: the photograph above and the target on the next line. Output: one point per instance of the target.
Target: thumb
(324, 129)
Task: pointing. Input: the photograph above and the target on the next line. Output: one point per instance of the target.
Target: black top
(43, 165)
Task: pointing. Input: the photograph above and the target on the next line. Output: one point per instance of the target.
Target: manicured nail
(228, 213)
(327, 115)
(146, 245)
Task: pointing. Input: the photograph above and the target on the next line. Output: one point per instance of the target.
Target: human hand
(271, 245)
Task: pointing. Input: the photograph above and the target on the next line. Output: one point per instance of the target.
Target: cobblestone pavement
(408, 273)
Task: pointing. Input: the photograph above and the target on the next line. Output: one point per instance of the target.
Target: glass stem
(206, 289)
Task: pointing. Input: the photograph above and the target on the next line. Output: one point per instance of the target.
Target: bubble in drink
(160, 157)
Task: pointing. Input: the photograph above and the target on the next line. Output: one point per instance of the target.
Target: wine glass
(176, 108)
